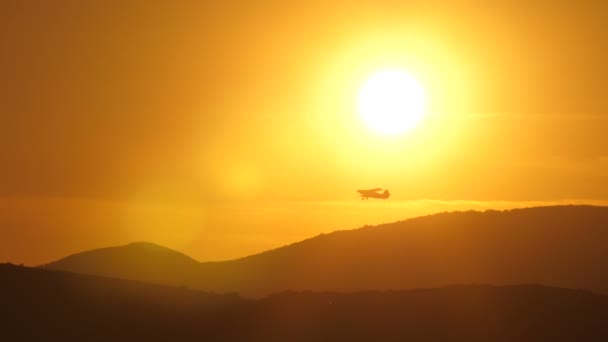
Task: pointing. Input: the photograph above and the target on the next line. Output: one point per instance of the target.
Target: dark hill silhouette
(40, 305)
(562, 246)
(139, 261)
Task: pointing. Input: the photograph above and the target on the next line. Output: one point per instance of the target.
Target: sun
(391, 102)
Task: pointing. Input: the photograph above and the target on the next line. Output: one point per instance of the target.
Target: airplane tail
(386, 194)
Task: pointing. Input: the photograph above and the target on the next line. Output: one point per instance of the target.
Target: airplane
(373, 193)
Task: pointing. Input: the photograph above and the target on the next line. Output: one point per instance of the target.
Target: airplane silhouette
(373, 193)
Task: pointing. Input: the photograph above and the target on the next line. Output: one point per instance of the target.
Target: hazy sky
(223, 128)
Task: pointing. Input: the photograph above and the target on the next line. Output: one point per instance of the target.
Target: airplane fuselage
(373, 193)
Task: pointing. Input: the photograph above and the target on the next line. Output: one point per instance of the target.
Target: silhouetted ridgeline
(563, 246)
(137, 261)
(40, 305)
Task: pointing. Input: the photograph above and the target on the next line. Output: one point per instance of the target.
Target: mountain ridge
(107, 309)
(144, 261)
(558, 246)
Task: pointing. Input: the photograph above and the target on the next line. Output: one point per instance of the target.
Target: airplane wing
(370, 191)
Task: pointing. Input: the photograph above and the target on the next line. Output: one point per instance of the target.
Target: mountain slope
(138, 261)
(42, 305)
(559, 246)
(49, 305)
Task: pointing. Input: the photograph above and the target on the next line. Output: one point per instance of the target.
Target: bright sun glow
(391, 102)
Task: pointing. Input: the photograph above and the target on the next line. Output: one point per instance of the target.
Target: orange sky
(233, 123)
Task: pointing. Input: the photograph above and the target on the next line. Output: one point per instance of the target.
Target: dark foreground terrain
(41, 305)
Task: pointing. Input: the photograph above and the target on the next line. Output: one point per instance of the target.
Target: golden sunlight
(391, 101)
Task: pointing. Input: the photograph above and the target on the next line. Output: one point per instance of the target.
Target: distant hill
(138, 261)
(562, 246)
(40, 305)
